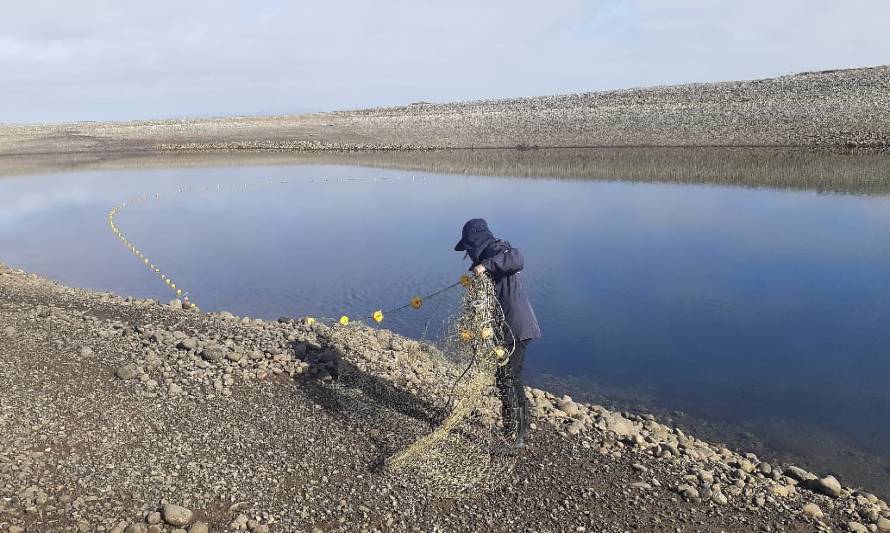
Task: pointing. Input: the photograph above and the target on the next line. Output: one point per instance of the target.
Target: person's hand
(478, 270)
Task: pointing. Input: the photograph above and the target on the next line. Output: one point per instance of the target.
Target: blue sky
(112, 60)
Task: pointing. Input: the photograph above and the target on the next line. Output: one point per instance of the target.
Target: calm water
(752, 309)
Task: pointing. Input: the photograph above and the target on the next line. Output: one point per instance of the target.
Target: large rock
(783, 491)
(618, 424)
(569, 407)
(176, 515)
(213, 353)
(812, 510)
(575, 427)
(187, 344)
(799, 474)
(745, 465)
(883, 524)
(856, 527)
(828, 485)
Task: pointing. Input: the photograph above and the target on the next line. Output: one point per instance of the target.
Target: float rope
(179, 293)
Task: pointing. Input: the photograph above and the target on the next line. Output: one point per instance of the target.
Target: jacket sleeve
(504, 263)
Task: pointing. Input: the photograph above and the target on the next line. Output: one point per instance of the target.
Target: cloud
(100, 59)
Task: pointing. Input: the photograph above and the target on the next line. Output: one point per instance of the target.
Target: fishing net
(433, 412)
(465, 451)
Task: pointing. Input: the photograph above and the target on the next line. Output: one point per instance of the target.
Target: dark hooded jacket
(503, 262)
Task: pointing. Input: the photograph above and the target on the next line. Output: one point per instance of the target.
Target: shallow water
(752, 309)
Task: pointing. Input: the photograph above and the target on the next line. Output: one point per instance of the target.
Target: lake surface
(756, 316)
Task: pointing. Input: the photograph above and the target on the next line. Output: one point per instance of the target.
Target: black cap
(470, 234)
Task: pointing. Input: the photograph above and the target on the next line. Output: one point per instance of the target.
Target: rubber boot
(522, 421)
(508, 417)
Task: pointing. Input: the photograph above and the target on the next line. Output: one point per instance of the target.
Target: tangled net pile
(439, 433)
(464, 451)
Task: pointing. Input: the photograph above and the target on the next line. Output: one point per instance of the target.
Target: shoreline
(776, 168)
(261, 435)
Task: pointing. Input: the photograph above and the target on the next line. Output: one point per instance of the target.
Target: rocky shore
(840, 110)
(127, 415)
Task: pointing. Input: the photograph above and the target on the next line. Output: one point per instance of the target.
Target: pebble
(9, 331)
(176, 515)
(153, 517)
(883, 524)
(705, 475)
(136, 528)
(125, 372)
(239, 523)
(86, 351)
(689, 492)
(856, 527)
(199, 527)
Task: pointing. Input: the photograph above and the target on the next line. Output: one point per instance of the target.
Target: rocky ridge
(838, 110)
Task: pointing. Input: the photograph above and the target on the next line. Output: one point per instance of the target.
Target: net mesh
(439, 432)
(464, 451)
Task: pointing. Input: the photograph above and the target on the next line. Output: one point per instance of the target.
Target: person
(500, 260)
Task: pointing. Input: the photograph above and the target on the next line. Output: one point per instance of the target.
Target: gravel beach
(127, 415)
(841, 110)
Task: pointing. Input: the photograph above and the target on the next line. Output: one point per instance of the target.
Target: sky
(111, 60)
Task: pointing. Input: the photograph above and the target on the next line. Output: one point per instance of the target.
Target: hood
(475, 237)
